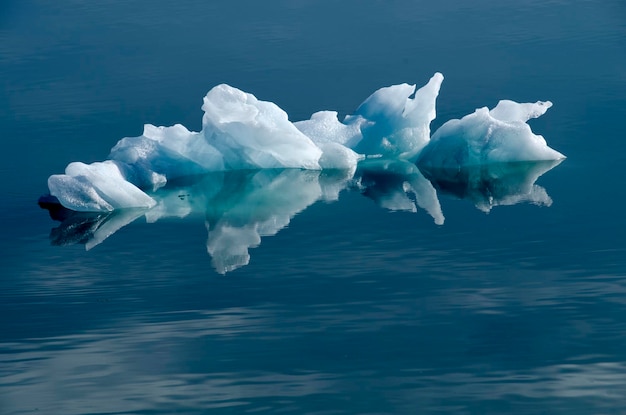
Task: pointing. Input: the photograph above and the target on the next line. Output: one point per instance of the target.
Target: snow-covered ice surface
(241, 132)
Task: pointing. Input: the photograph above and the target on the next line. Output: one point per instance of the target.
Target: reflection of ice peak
(228, 246)
(399, 185)
(261, 206)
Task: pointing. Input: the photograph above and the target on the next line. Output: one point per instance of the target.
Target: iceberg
(100, 186)
(395, 125)
(241, 132)
(500, 135)
(163, 153)
(254, 134)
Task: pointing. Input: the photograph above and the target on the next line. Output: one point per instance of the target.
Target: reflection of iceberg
(239, 207)
(241, 132)
(494, 184)
(399, 185)
(88, 228)
(256, 204)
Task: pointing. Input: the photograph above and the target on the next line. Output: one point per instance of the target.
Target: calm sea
(361, 305)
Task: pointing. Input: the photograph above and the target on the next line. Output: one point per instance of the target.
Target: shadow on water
(241, 207)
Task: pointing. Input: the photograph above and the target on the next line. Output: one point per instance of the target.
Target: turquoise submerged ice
(241, 132)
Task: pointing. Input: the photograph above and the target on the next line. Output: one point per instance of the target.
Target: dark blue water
(350, 308)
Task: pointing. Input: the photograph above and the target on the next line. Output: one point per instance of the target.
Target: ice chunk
(486, 137)
(77, 193)
(254, 134)
(97, 187)
(508, 110)
(163, 153)
(337, 156)
(395, 125)
(389, 122)
(324, 127)
(334, 138)
(241, 132)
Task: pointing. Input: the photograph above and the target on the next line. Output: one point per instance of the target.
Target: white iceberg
(163, 153)
(241, 132)
(97, 187)
(253, 134)
(395, 125)
(389, 122)
(486, 137)
(325, 127)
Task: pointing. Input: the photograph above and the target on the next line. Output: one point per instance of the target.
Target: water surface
(351, 308)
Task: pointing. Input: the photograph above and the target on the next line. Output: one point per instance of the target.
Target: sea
(289, 292)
